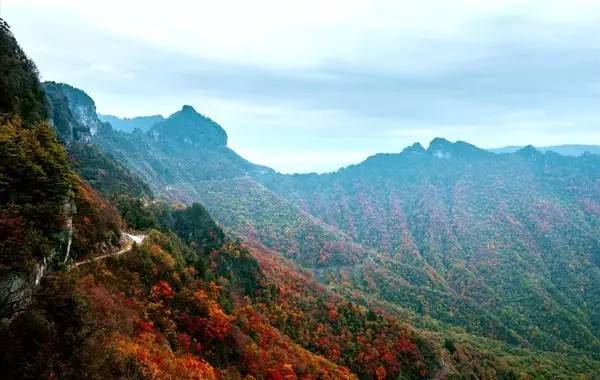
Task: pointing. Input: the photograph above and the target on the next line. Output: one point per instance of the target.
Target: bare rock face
(17, 287)
(82, 107)
(71, 112)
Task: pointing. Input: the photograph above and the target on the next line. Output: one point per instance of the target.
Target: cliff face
(36, 199)
(82, 107)
(36, 209)
(71, 113)
(46, 213)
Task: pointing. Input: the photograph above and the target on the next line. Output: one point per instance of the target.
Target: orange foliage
(219, 324)
(158, 362)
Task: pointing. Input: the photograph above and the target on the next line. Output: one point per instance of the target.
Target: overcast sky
(315, 85)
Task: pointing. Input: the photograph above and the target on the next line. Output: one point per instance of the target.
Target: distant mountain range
(439, 262)
(565, 150)
(142, 123)
(503, 245)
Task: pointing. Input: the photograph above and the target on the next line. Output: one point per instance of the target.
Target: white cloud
(311, 32)
(292, 78)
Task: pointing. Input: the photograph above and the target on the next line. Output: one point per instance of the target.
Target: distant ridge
(471, 239)
(565, 150)
(126, 124)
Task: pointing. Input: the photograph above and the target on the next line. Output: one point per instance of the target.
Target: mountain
(20, 93)
(68, 129)
(186, 147)
(48, 214)
(142, 123)
(183, 299)
(449, 262)
(504, 246)
(72, 115)
(185, 158)
(565, 150)
(81, 106)
(190, 128)
(186, 303)
(511, 241)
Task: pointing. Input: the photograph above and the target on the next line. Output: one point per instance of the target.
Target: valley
(147, 248)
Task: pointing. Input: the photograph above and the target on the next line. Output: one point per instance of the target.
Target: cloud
(354, 77)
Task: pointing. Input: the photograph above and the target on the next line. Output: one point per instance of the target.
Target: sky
(310, 85)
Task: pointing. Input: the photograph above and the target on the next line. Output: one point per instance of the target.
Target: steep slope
(102, 171)
(20, 91)
(185, 158)
(506, 246)
(106, 174)
(189, 301)
(48, 215)
(81, 106)
(471, 238)
(61, 118)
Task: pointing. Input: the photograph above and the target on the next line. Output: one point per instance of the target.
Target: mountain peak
(189, 113)
(439, 142)
(415, 148)
(188, 108)
(189, 128)
(528, 151)
(442, 148)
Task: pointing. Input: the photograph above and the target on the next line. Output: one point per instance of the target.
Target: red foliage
(184, 342)
(404, 345)
(142, 326)
(380, 373)
(162, 289)
(219, 324)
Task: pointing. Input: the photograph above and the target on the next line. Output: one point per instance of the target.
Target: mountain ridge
(125, 124)
(400, 205)
(191, 301)
(565, 149)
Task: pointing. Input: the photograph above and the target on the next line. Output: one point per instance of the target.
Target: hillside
(504, 246)
(185, 159)
(442, 263)
(509, 241)
(21, 92)
(188, 300)
(72, 114)
(48, 214)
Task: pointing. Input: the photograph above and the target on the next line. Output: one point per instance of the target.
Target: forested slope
(189, 301)
(449, 262)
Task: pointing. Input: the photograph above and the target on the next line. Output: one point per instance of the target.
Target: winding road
(129, 240)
